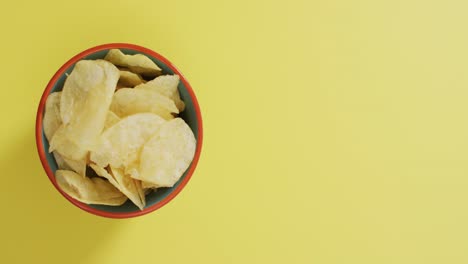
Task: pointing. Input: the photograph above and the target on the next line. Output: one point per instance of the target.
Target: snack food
(131, 137)
(52, 123)
(128, 101)
(137, 63)
(89, 190)
(166, 156)
(111, 119)
(119, 145)
(165, 85)
(129, 79)
(124, 183)
(85, 100)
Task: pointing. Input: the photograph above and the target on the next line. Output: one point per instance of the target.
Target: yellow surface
(335, 132)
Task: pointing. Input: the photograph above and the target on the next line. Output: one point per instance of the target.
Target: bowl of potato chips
(119, 130)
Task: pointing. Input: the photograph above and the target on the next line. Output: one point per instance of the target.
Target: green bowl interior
(189, 115)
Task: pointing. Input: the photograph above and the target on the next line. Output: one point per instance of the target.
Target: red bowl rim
(42, 151)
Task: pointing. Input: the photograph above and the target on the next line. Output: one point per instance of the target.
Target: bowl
(191, 115)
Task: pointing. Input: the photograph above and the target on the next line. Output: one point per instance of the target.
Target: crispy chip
(52, 120)
(60, 162)
(78, 166)
(168, 154)
(85, 100)
(129, 79)
(103, 173)
(133, 169)
(67, 149)
(128, 186)
(137, 63)
(148, 185)
(129, 101)
(89, 190)
(120, 145)
(165, 85)
(111, 120)
(141, 191)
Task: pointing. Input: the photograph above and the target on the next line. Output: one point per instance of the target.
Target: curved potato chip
(128, 186)
(133, 169)
(168, 154)
(111, 120)
(60, 162)
(78, 166)
(66, 148)
(148, 185)
(129, 79)
(128, 101)
(165, 85)
(141, 191)
(86, 97)
(89, 190)
(120, 144)
(137, 63)
(103, 173)
(52, 120)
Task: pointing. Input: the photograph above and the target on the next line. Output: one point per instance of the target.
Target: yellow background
(335, 132)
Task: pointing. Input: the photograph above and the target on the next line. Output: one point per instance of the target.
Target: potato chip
(133, 169)
(60, 162)
(129, 79)
(128, 186)
(141, 191)
(148, 185)
(120, 144)
(111, 119)
(78, 166)
(66, 148)
(52, 119)
(86, 97)
(52, 122)
(89, 190)
(137, 63)
(165, 85)
(129, 101)
(168, 154)
(103, 173)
